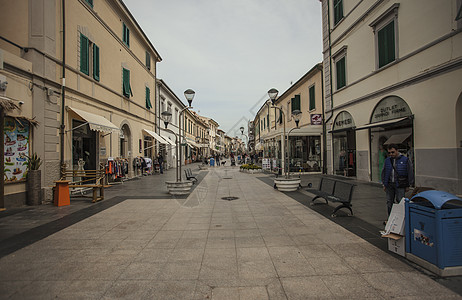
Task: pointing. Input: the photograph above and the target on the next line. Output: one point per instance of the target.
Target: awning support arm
(77, 127)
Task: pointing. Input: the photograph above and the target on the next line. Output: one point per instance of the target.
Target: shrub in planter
(34, 180)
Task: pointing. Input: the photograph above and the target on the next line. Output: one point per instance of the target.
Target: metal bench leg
(312, 201)
(95, 194)
(344, 205)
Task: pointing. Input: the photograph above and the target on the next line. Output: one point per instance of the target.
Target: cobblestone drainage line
(229, 198)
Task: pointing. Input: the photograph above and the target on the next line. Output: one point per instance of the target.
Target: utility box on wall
(434, 232)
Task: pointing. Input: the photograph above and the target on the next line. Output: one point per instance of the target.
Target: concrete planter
(34, 187)
(179, 188)
(251, 171)
(287, 184)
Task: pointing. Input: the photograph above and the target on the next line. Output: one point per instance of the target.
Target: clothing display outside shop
(116, 168)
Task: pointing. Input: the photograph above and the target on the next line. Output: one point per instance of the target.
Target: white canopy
(96, 122)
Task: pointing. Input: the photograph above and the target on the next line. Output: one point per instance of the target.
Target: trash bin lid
(437, 198)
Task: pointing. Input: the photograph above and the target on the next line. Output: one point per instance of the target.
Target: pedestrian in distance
(160, 160)
(397, 176)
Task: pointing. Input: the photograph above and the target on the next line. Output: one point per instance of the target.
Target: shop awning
(383, 123)
(96, 122)
(192, 143)
(397, 138)
(156, 136)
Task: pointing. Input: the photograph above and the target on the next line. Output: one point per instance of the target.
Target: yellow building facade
(92, 83)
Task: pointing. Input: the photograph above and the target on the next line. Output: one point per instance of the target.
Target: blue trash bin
(434, 229)
(212, 162)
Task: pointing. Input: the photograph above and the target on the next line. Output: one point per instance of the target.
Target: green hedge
(250, 167)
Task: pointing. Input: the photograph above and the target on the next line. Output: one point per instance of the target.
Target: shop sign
(316, 119)
(344, 120)
(16, 143)
(390, 108)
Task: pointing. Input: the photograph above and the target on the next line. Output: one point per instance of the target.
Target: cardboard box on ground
(394, 230)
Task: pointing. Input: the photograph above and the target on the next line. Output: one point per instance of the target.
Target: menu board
(266, 164)
(16, 139)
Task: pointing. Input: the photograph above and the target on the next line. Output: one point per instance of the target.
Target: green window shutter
(148, 98)
(386, 44)
(127, 91)
(148, 60)
(95, 62)
(126, 35)
(312, 99)
(341, 74)
(338, 11)
(280, 116)
(267, 121)
(295, 103)
(90, 2)
(84, 54)
(459, 14)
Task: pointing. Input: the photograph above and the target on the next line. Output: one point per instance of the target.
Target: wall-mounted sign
(343, 120)
(390, 108)
(16, 145)
(316, 119)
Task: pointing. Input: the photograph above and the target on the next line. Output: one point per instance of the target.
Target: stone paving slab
(263, 245)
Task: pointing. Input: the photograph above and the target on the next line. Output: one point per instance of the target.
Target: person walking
(160, 160)
(397, 176)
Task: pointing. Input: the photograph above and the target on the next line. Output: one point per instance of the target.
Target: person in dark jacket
(396, 166)
(160, 160)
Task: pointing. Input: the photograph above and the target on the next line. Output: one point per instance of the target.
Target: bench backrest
(343, 190)
(327, 186)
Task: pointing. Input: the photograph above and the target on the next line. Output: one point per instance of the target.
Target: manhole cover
(230, 198)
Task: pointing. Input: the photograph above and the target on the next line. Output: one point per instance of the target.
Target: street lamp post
(189, 94)
(273, 93)
(167, 118)
(246, 137)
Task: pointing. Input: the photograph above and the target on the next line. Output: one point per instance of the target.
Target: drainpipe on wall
(324, 123)
(63, 87)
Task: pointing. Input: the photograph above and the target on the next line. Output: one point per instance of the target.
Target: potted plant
(34, 180)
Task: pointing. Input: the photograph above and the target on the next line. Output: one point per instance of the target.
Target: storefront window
(383, 134)
(305, 153)
(16, 145)
(83, 146)
(344, 145)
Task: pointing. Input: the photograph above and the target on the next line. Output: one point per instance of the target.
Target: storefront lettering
(341, 123)
(386, 111)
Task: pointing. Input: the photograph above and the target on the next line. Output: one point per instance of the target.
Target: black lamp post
(167, 118)
(246, 137)
(189, 94)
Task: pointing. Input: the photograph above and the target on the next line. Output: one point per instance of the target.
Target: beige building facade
(90, 82)
(304, 143)
(392, 73)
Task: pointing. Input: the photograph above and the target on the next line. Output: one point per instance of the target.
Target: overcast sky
(231, 52)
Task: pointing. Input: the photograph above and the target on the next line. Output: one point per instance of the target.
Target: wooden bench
(190, 176)
(334, 191)
(93, 179)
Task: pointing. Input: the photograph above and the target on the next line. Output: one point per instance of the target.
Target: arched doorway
(344, 145)
(125, 142)
(391, 123)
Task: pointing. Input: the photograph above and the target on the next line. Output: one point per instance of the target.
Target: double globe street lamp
(178, 187)
(287, 184)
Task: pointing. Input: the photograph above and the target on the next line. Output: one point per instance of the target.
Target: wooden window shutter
(84, 54)
(95, 62)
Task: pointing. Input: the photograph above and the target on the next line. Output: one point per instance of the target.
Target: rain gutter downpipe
(324, 123)
(63, 88)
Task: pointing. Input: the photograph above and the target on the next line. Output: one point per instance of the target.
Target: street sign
(316, 119)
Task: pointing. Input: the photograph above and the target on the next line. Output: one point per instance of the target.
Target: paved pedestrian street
(262, 245)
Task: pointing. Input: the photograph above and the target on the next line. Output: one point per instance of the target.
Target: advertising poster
(16, 139)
